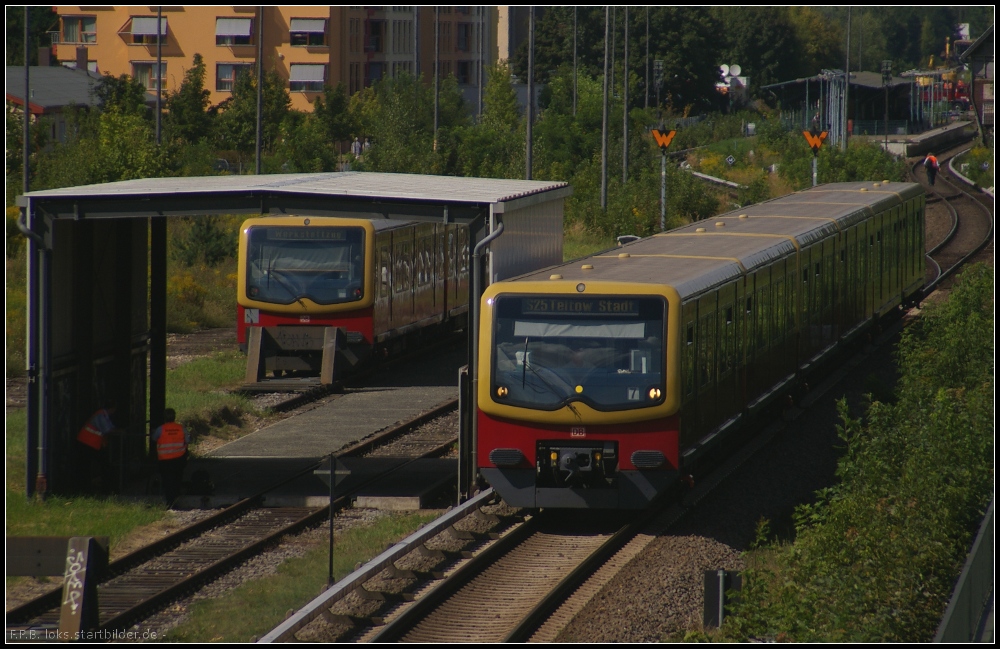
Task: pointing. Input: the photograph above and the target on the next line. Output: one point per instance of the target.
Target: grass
(579, 242)
(198, 391)
(256, 607)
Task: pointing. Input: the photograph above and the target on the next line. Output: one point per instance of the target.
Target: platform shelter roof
(286, 193)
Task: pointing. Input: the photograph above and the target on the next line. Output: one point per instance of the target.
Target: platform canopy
(97, 282)
(312, 193)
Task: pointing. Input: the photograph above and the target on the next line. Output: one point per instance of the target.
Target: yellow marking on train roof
(864, 205)
(712, 257)
(729, 234)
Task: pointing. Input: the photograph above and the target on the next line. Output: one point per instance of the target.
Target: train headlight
(597, 456)
(654, 393)
(502, 391)
(554, 456)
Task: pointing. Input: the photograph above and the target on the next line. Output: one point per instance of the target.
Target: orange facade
(308, 46)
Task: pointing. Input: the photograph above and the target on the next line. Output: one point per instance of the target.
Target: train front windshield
(606, 352)
(323, 264)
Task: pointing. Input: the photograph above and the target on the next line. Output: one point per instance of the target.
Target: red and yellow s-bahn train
(604, 381)
(312, 287)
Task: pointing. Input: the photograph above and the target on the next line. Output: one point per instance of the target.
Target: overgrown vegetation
(876, 556)
(256, 607)
(977, 165)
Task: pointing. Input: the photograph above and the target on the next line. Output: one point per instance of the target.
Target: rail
(349, 584)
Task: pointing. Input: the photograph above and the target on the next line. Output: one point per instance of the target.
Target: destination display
(309, 234)
(580, 306)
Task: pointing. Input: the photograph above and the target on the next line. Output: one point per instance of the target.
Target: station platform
(934, 140)
(276, 456)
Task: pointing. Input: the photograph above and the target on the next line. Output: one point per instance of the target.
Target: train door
(739, 352)
(828, 296)
(805, 306)
(689, 373)
(727, 395)
(706, 373)
(777, 323)
(463, 259)
(879, 264)
(440, 269)
(895, 286)
(382, 310)
(402, 280)
(423, 272)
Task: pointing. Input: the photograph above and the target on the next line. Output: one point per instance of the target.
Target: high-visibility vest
(91, 435)
(170, 445)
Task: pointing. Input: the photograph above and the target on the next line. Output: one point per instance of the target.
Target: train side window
(729, 315)
(817, 269)
(690, 352)
(762, 312)
(706, 338)
(384, 265)
(805, 275)
(749, 305)
(779, 308)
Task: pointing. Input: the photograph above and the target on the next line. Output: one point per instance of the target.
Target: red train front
(311, 287)
(576, 406)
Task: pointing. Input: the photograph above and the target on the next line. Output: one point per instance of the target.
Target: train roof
(695, 257)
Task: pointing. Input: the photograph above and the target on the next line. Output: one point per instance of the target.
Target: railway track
(147, 580)
(971, 222)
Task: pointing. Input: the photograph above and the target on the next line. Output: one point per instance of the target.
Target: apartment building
(309, 46)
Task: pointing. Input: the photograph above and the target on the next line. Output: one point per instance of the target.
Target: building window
(446, 46)
(307, 31)
(306, 77)
(142, 31)
(464, 68)
(143, 72)
(464, 37)
(226, 73)
(233, 31)
(374, 72)
(355, 35)
(79, 29)
(375, 38)
(355, 77)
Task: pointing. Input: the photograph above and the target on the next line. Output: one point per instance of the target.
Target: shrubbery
(877, 556)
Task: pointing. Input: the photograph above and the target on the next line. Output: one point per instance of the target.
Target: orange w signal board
(815, 141)
(663, 139)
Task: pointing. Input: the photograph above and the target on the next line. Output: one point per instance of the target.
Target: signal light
(579, 389)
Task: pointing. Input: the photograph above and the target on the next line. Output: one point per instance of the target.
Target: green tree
(494, 148)
(333, 113)
(397, 116)
(236, 124)
(121, 94)
(187, 116)
(762, 40)
(41, 20)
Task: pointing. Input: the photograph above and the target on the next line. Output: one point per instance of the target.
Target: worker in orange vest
(171, 441)
(931, 165)
(93, 440)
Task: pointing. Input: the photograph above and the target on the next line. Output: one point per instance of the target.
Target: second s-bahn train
(605, 381)
(365, 282)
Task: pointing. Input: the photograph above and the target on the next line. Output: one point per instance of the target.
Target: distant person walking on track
(356, 148)
(93, 439)
(171, 453)
(931, 165)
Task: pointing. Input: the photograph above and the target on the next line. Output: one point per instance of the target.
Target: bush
(877, 555)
